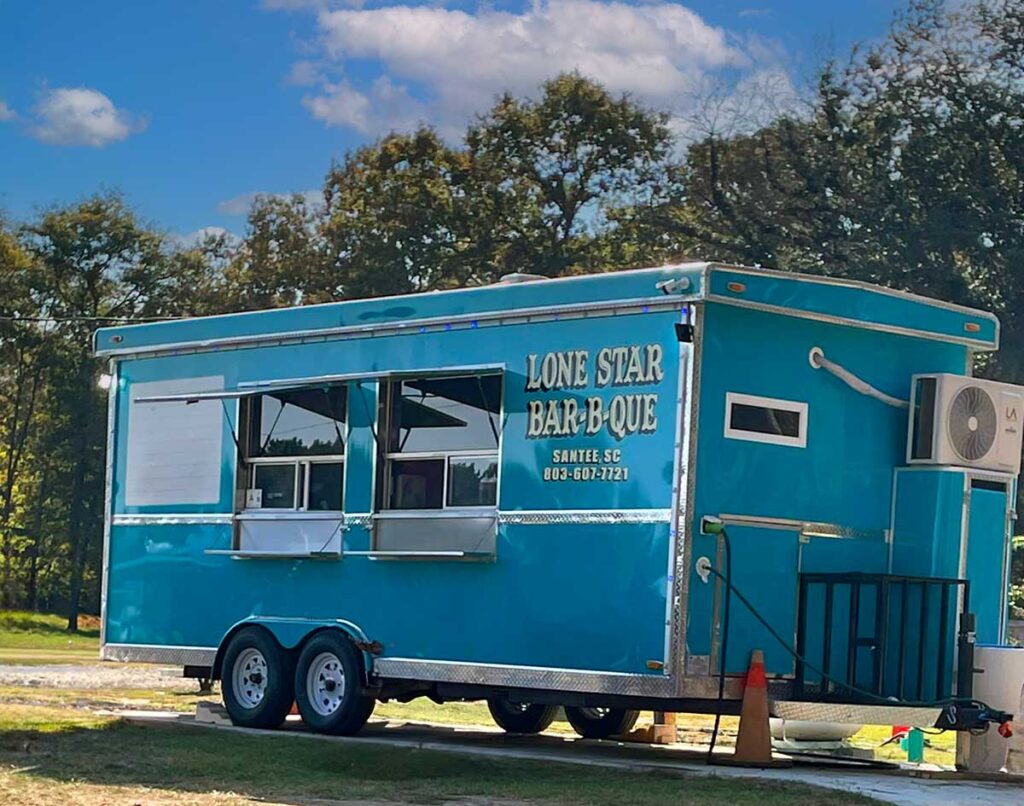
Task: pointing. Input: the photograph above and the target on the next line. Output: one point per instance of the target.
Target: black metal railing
(868, 636)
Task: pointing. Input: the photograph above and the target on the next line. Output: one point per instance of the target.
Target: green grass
(32, 638)
(39, 638)
(48, 756)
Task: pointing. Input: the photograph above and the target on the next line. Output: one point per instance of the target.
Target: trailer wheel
(328, 686)
(521, 717)
(600, 723)
(258, 680)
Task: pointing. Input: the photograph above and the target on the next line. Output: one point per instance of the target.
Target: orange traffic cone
(754, 741)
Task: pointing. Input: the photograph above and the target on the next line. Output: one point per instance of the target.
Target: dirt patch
(93, 676)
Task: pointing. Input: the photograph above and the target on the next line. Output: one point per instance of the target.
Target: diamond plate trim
(151, 653)
(485, 674)
(857, 714)
(364, 519)
(172, 519)
(577, 516)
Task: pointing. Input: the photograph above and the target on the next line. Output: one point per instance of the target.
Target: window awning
(250, 388)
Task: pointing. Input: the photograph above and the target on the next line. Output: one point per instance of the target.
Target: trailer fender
(290, 633)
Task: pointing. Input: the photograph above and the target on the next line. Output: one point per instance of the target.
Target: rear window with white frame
(765, 419)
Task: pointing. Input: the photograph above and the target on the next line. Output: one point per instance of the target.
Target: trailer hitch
(974, 717)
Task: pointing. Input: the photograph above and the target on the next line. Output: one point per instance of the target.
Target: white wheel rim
(325, 683)
(249, 677)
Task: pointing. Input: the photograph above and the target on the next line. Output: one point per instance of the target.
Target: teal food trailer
(545, 493)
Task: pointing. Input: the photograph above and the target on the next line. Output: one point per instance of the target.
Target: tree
(94, 263)
(396, 217)
(545, 173)
(21, 375)
(280, 262)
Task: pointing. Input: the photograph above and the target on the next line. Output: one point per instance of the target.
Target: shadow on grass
(292, 770)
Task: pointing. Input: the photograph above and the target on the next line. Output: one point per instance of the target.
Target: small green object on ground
(913, 743)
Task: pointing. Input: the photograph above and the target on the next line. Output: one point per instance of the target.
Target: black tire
(601, 723)
(257, 680)
(329, 686)
(514, 717)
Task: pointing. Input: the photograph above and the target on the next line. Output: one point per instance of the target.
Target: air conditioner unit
(958, 420)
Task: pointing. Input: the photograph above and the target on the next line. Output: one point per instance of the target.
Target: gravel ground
(98, 676)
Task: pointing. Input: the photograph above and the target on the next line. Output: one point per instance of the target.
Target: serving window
(294, 452)
(441, 443)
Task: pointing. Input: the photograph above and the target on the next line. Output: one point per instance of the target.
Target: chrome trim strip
(289, 515)
(416, 326)
(157, 653)
(108, 494)
(479, 513)
(685, 561)
(679, 507)
(169, 519)
(1008, 523)
(584, 516)
(965, 530)
(508, 676)
(981, 346)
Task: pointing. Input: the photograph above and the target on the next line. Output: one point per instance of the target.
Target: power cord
(711, 528)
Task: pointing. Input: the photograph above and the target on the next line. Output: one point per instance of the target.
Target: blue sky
(189, 108)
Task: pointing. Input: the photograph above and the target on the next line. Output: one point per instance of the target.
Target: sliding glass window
(441, 448)
(295, 449)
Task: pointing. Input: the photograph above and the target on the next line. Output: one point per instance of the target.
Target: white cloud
(446, 65)
(385, 106)
(304, 73)
(80, 116)
(6, 113)
(240, 204)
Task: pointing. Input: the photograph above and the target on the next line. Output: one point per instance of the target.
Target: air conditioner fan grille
(972, 423)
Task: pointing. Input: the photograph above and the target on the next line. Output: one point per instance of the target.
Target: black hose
(725, 644)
